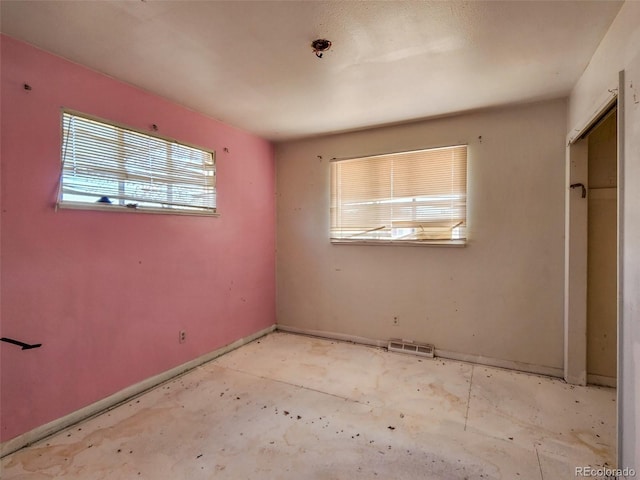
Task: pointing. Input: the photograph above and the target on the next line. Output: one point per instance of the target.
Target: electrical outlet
(182, 336)
(396, 321)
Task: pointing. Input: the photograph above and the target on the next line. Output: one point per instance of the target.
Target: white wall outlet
(182, 336)
(396, 321)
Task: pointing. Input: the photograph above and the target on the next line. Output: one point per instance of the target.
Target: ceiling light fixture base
(319, 46)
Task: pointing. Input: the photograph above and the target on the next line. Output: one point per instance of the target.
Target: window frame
(118, 207)
(400, 242)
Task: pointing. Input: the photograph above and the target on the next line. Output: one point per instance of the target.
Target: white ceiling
(250, 64)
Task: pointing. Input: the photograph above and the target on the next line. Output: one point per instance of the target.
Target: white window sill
(102, 207)
(414, 243)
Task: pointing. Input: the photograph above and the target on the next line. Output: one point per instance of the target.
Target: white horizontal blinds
(417, 195)
(430, 192)
(360, 196)
(102, 160)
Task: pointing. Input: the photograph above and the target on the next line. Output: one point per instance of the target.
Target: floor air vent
(407, 346)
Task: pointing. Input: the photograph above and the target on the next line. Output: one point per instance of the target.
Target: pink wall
(106, 293)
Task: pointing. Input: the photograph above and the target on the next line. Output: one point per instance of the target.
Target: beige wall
(500, 297)
(599, 82)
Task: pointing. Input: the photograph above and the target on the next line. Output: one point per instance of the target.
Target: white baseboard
(332, 336)
(122, 396)
(577, 378)
(497, 362)
(602, 380)
(464, 357)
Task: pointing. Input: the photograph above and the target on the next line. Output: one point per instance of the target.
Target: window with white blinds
(418, 196)
(112, 166)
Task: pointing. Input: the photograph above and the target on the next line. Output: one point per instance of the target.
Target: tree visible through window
(418, 196)
(108, 164)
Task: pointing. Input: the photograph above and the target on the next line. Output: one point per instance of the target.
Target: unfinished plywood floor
(290, 407)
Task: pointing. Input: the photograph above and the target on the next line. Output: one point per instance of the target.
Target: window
(113, 167)
(412, 197)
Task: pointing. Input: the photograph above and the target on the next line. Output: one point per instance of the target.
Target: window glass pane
(417, 196)
(132, 168)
